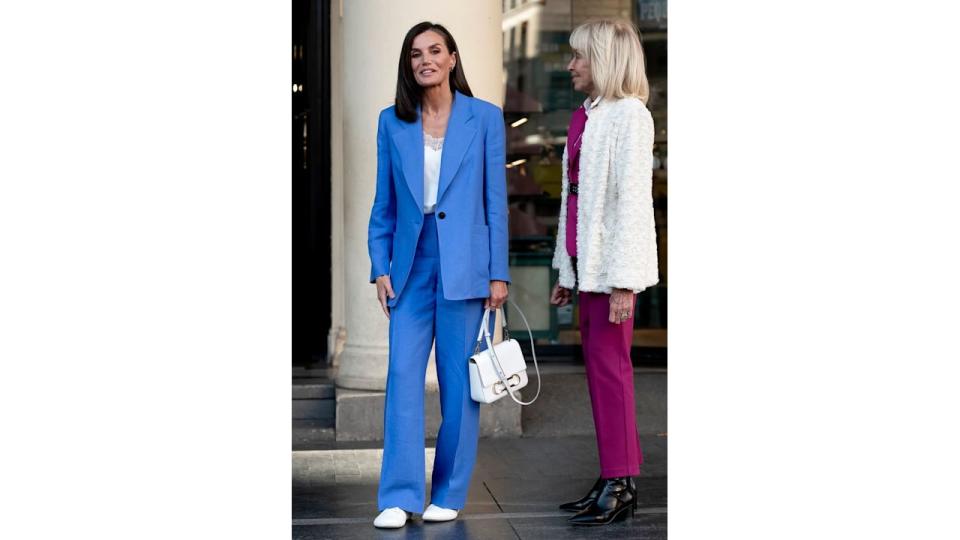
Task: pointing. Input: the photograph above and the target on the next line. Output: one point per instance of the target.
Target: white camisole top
(432, 152)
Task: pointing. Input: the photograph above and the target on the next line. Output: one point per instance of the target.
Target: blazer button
(441, 215)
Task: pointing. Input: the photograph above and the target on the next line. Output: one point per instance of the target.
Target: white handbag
(500, 369)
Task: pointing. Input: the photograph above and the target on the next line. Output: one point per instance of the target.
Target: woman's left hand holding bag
(498, 295)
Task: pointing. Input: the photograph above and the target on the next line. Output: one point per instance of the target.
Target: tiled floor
(516, 487)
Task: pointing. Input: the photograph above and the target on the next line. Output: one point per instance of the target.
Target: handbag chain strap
(501, 375)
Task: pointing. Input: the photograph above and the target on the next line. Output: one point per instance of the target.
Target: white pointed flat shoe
(435, 513)
(391, 518)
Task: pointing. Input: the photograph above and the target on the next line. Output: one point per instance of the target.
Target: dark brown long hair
(409, 92)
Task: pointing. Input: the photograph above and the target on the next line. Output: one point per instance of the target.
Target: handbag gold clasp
(499, 388)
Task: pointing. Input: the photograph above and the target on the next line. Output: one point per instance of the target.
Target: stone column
(372, 33)
(338, 332)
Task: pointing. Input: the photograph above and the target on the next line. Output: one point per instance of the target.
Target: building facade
(514, 53)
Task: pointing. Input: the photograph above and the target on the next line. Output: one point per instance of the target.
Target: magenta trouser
(606, 353)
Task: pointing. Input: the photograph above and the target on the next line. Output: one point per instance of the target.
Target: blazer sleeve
(495, 195)
(631, 257)
(383, 216)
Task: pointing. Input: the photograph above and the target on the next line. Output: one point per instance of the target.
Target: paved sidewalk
(517, 485)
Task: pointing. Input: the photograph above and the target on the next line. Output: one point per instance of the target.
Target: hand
(384, 290)
(498, 295)
(560, 296)
(621, 305)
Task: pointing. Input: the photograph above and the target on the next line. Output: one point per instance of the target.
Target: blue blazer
(471, 197)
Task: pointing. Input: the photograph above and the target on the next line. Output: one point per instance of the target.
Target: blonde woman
(606, 245)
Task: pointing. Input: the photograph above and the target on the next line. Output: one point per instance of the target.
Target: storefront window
(539, 100)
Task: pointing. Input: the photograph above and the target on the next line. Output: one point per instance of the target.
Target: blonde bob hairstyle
(612, 46)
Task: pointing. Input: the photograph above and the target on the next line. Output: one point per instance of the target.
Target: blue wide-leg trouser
(420, 316)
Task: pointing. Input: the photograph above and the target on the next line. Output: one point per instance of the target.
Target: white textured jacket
(616, 233)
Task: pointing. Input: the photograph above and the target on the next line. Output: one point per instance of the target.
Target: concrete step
(359, 416)
(307, 434)
(563, 408)
(314, 409)
(300, 372)
(314, 388)
(314, 398)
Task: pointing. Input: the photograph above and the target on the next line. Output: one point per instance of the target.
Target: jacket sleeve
(561, 259)
(495, 195)
(383, 216)
(630, 260)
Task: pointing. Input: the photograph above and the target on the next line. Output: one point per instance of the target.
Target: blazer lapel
(409, 141)
(460, 133)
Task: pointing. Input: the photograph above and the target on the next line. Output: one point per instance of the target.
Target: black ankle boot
(617, 496)
(586, 501)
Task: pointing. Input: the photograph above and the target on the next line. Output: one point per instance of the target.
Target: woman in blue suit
(438, 248)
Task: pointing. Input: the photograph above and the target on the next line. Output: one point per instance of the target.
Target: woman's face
(579, 68)
(430, 59)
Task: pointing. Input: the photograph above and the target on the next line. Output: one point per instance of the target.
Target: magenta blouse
(578, 122)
